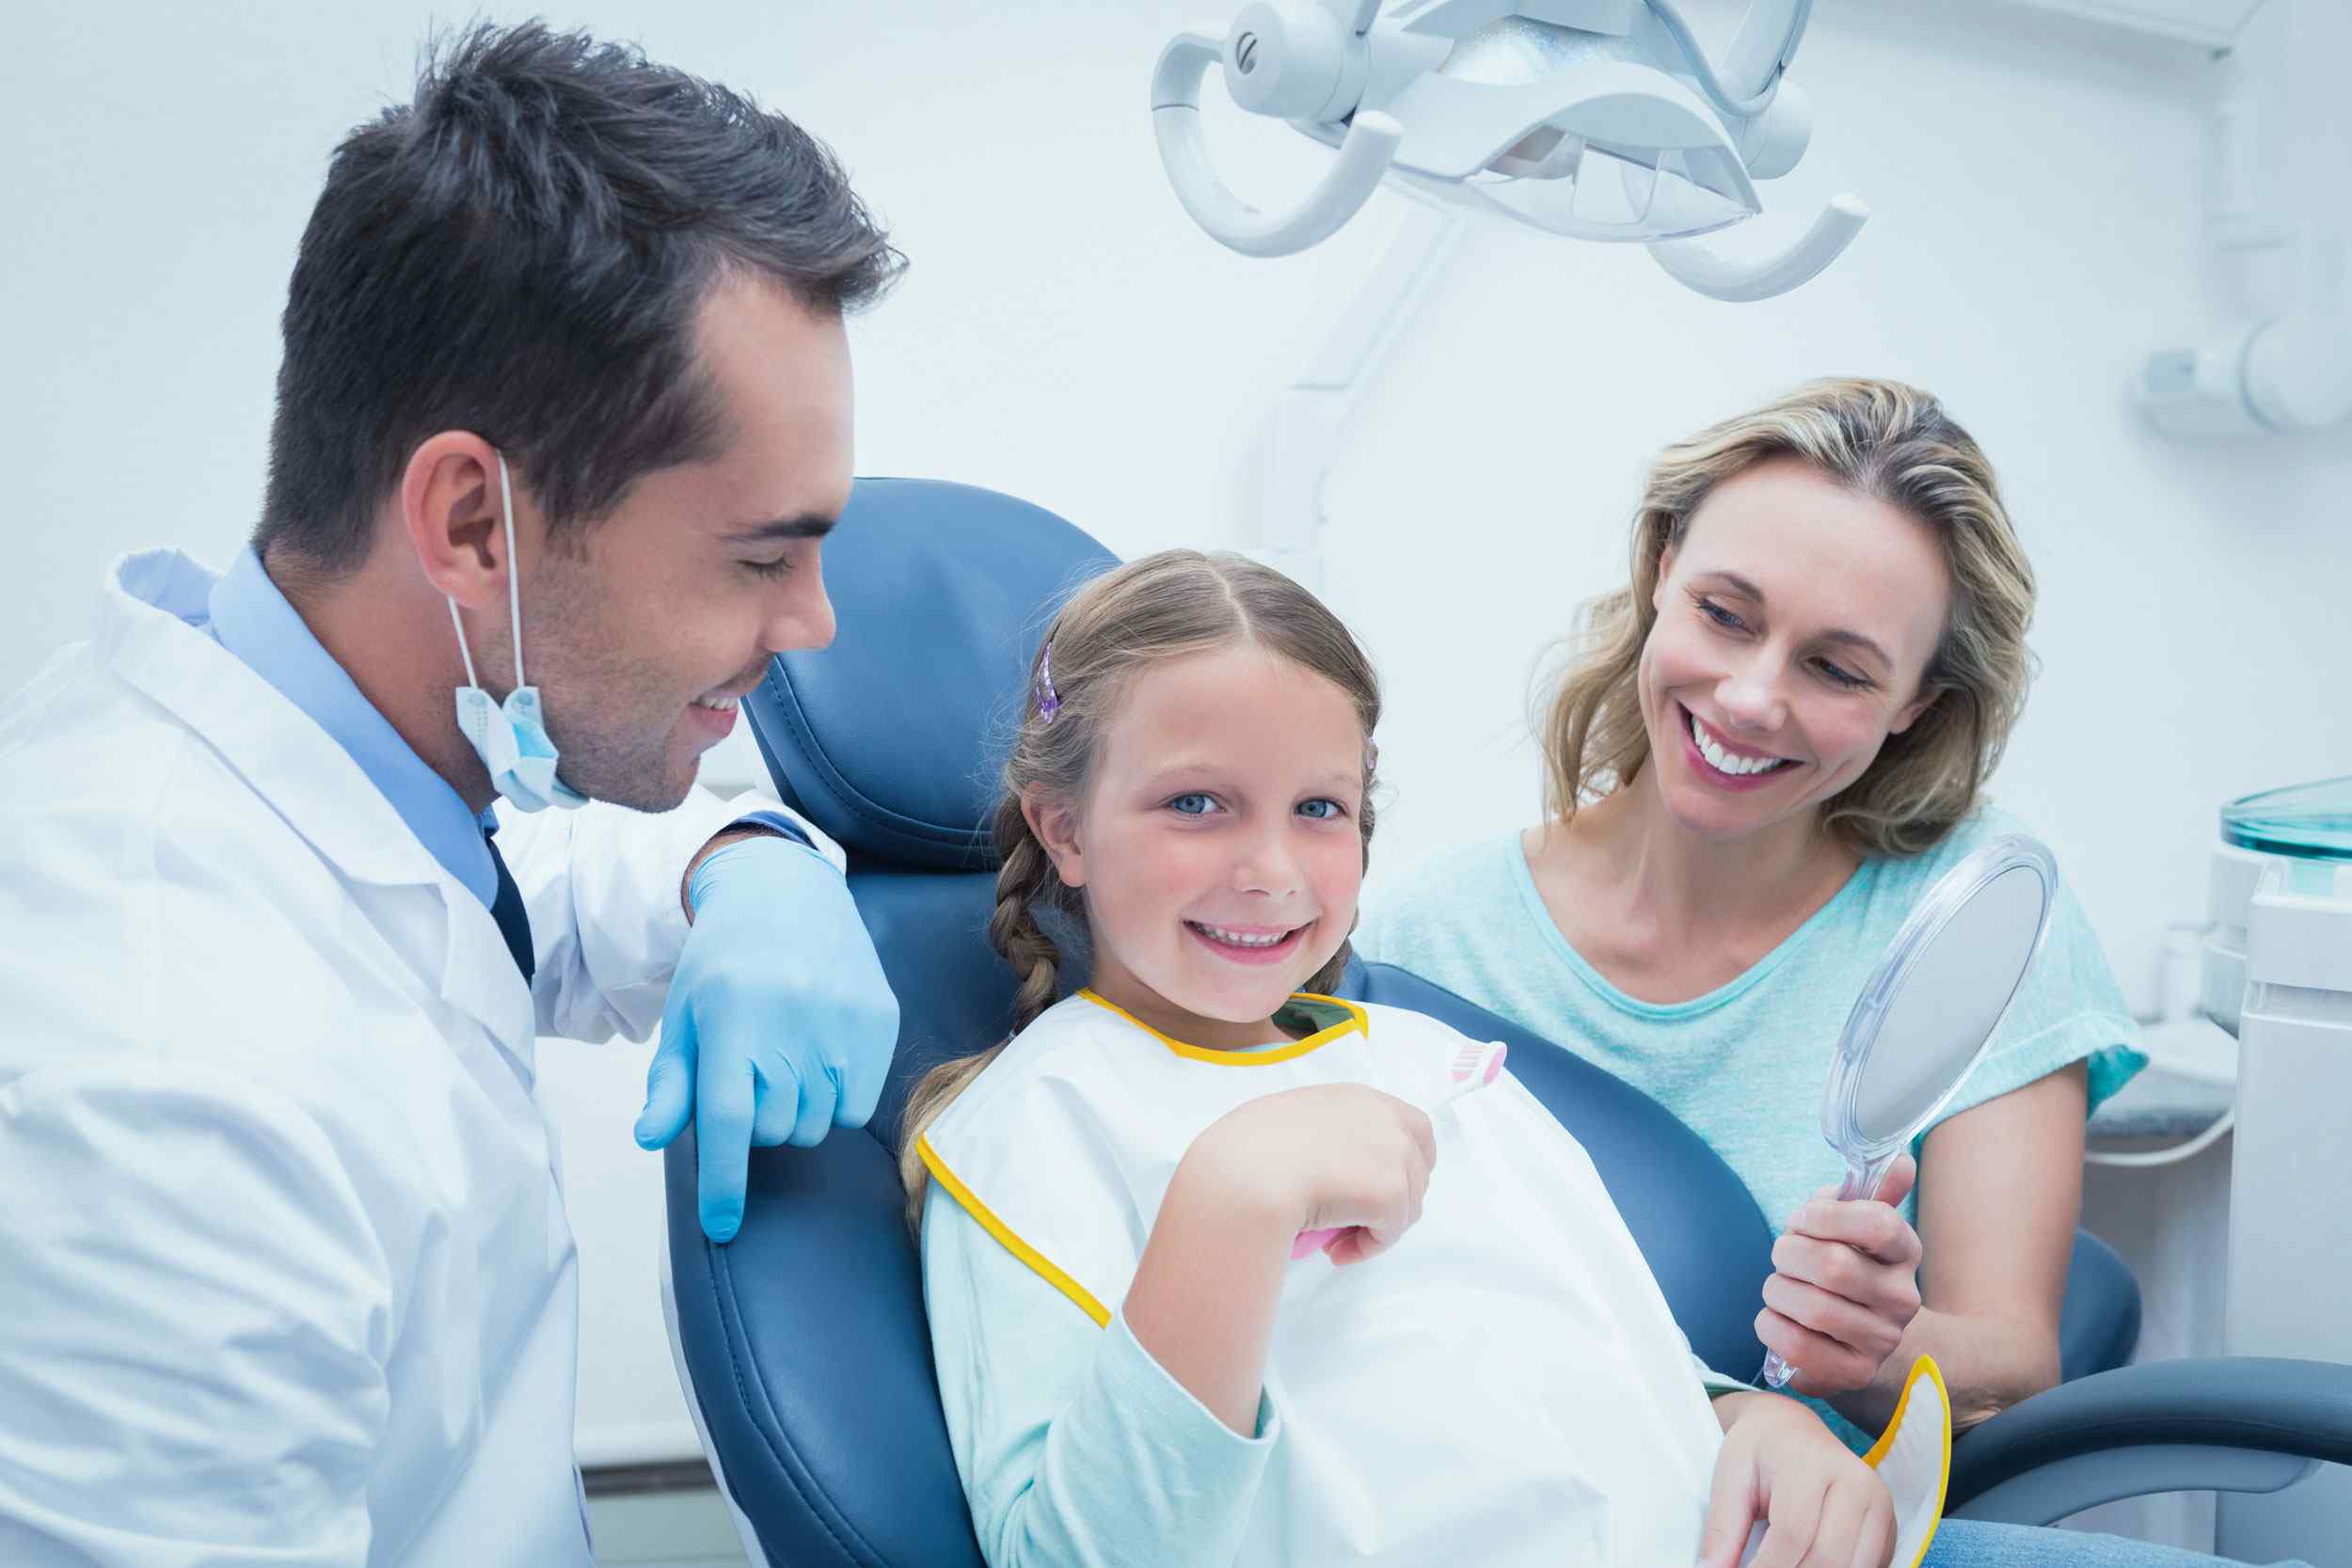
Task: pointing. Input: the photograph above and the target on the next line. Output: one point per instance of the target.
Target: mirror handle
(1861, 1182)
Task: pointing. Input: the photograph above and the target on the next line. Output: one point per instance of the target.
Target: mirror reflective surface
(1944, 1008)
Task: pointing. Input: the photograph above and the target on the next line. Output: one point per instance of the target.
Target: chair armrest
(2234, 1423)
(808, 1361)
(2099, 1326)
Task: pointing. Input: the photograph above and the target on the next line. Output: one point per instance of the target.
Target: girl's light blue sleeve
(1076, 1449)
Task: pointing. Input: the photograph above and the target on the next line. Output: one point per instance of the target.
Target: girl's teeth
(1722, 761)
(1238, 939)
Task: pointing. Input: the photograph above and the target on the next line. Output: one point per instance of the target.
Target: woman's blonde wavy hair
(1161, 607)
(1894, 444)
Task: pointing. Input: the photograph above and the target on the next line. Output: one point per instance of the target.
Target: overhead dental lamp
(1599, 119)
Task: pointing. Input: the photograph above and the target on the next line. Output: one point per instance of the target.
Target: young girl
(1479, 1369)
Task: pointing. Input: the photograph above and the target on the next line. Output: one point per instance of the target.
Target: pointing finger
(722, 1145)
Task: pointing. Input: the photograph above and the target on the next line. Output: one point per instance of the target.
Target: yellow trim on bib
(1923, 1368)
(1358, 1024)
(1004, 1233)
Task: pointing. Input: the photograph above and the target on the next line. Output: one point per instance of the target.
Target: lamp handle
(1365, 154)
(1699, 265)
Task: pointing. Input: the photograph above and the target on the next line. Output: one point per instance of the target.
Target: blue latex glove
(779, 1025)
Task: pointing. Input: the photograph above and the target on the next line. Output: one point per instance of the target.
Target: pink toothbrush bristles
(1474, 1067)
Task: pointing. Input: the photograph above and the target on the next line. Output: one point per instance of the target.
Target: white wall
(1066, 334)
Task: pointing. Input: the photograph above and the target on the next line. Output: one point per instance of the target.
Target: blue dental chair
(802, 1344)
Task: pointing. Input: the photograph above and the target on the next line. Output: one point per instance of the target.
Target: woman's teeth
(720, 704)
(1241, 939)
(1724, 762)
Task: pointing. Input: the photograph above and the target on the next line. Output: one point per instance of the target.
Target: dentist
(297, 861)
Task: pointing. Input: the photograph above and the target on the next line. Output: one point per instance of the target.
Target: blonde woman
(1764, 750)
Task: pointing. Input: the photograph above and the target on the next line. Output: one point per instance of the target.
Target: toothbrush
(1474, 1067)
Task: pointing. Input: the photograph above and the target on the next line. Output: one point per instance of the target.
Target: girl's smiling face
(1217, 846)
(1796, 620)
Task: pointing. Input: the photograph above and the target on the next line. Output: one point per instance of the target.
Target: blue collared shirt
(252, 620)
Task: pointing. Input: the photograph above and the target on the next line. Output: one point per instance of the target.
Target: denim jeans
(1971, 1544)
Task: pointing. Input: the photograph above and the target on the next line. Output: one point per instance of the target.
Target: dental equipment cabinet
(2277, 974)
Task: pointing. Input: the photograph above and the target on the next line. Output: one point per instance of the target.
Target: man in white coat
(563, 418)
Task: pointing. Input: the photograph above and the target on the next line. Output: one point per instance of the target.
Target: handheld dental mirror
(1930, 1009)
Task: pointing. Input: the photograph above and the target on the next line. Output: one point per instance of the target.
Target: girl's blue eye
(1322, 809)
(1194, 804)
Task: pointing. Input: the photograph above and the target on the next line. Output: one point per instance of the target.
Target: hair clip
(1048, 703)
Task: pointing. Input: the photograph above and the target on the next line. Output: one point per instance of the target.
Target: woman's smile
(1724, 765)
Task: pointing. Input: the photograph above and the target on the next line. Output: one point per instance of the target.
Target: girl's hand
(1206, 1289)
(1826, 1508)
(1336, 1156)
(1845, 1285)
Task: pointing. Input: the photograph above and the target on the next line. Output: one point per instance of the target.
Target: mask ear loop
(514, 583)
(463, 651)
(514, 592)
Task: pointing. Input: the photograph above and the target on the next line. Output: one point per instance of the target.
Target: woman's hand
(1336, 1156)
(1779, 1463)
(1845, 1285)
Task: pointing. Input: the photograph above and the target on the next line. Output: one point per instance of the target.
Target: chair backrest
(803, 1341)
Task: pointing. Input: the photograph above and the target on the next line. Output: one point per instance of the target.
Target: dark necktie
(507, 909)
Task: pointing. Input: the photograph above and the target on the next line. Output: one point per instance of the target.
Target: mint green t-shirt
(1744, 1064)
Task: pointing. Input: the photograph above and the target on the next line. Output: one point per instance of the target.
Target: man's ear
(450, 513)
(1055, 828)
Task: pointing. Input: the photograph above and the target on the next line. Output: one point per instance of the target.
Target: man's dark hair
(521, 252)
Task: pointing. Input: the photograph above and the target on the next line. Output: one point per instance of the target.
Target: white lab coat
(285, 1275)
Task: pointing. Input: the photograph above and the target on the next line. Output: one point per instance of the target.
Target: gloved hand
(779, 1023)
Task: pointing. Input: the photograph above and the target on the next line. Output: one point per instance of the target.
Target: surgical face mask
(511, 738)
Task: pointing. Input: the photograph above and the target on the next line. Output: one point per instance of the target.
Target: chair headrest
(890, 739)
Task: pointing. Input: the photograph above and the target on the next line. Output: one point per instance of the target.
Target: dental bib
(1505, 1386)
